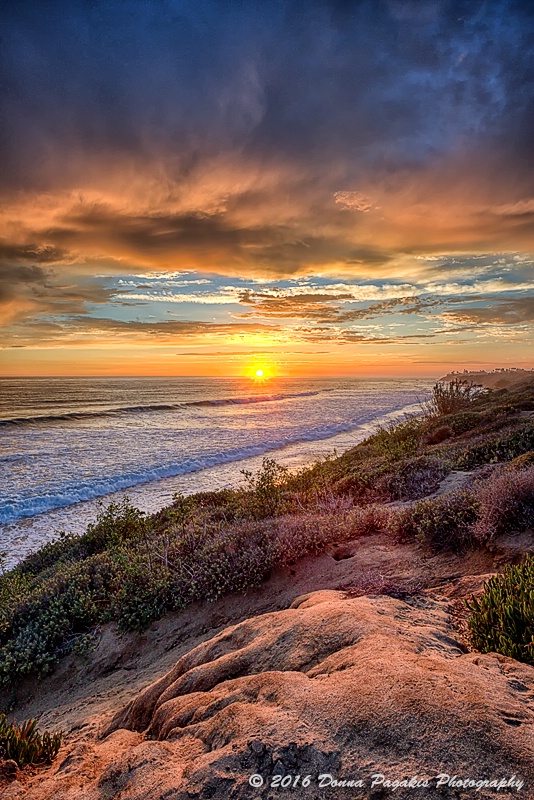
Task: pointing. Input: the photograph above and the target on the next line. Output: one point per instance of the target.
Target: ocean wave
(69, 494)
(70, 416)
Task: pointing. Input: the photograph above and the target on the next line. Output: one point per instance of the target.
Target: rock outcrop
(340, 686)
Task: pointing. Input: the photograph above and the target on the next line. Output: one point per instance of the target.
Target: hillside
(304, 624)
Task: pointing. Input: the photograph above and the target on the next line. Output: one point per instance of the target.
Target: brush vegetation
(25, 744)
(502, 619)
(131, 568)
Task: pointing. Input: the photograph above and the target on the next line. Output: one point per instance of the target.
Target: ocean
(68, 444)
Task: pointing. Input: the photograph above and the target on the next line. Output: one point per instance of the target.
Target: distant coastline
(502, 378)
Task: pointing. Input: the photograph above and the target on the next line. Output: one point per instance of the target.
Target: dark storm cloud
(373, 83)
(31, 290)
(14, 278)
(205, 239)
(32, 253)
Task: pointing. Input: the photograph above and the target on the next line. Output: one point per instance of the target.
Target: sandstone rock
(344, 686)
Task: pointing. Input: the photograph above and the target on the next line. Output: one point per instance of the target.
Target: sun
(260, 370)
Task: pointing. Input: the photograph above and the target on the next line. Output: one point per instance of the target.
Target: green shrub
(502, 618)
(398, 439)
(266, 489)
(412, 478)
(47, 623)
(525, 460)
(14, 589)
(25, 744)
(406, 479)
(67, 548)
(494, 451)
(307, 484)
(116, 524)
(145, 596)
(440, 523)
(464, 421)
(443, 427)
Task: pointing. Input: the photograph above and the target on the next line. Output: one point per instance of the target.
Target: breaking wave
(69, 493)
(114, 412)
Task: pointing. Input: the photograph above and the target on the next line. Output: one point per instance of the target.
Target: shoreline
(26, 534)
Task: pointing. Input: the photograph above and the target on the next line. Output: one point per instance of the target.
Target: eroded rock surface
(346, 686)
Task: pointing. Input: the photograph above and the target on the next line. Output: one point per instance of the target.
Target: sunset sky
(316, 188)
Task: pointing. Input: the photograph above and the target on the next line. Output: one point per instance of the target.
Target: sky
(310, 188)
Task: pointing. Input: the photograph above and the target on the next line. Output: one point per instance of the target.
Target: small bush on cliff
(25, 744)
(441, 523)
(464, 421)
(116, 524)
(398, 439)
(406, 479)
(502, 618)
(451, 397)
(506, 503)
(266, 488)
(59, 611)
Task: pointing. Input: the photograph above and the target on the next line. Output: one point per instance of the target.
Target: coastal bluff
(334, 684)
(503, 378)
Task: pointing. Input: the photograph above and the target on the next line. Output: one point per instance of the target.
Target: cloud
(519, 311)
(12, 277)
(327, 307)
(30, 253)
(377, 156)
(322, 307)
(354, 200)
(521, 208)
(195, 240)
(343, 337)
(96, 330)
(29, 291)
(242, 111)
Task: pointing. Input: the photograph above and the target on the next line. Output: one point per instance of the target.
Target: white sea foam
(190, 435)
(77, 492)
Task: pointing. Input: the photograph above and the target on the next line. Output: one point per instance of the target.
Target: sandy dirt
(410, 599)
